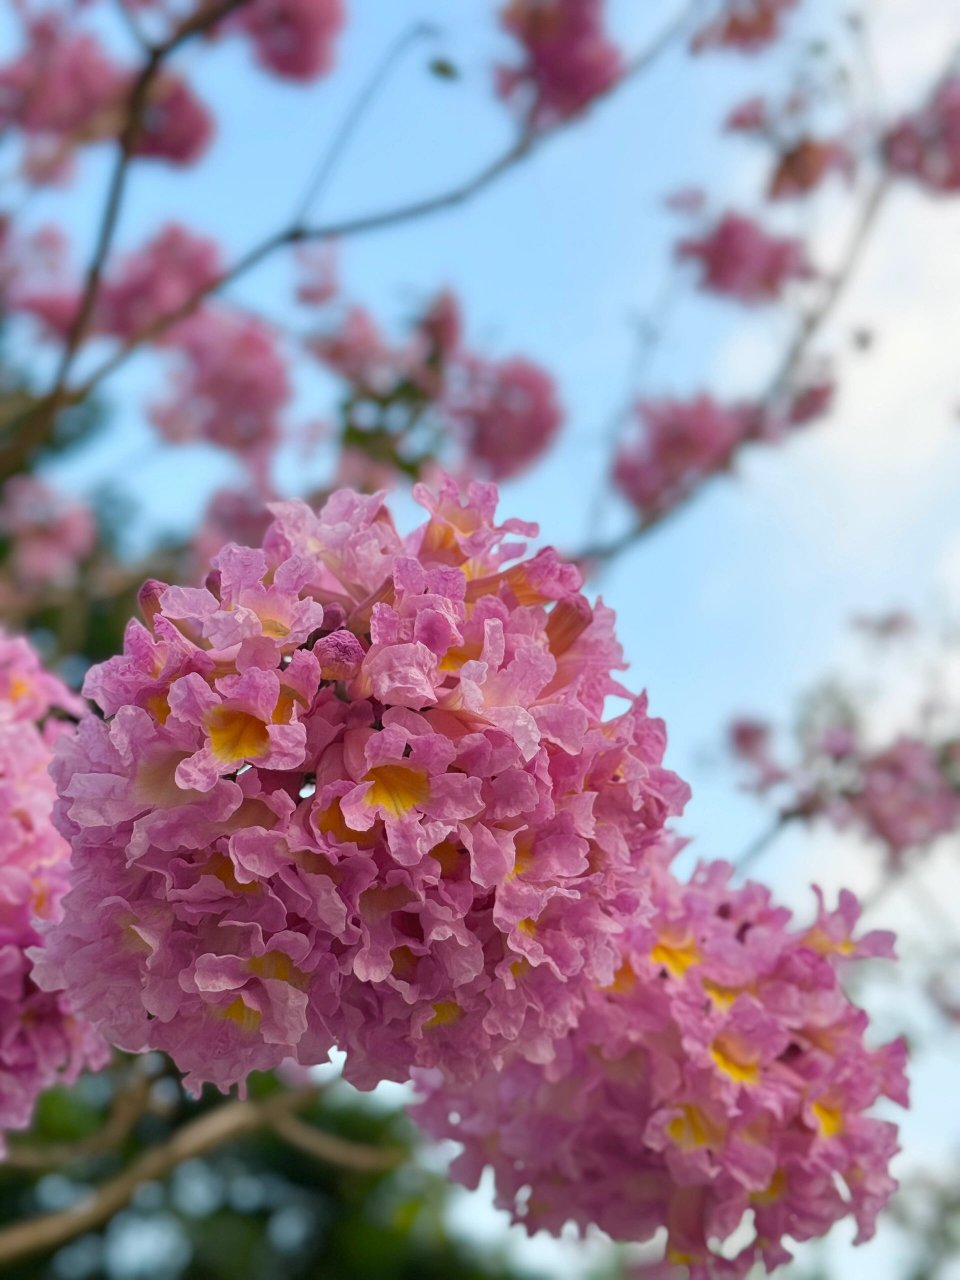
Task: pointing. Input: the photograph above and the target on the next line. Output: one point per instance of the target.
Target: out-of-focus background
(737, 603)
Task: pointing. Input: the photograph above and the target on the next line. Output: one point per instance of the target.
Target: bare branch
(229, 1121)
(37, 424)
(129, 1104)
(333, 1149)
(367, 96)
(810, 326)
(296, 233)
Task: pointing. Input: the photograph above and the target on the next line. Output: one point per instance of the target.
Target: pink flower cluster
(904, 795)
(739, 259)
(230, 386)
(568, 58)
(50, 534)
(358, 790)
(505, 411)
(64, 91)
(43, 1042)
(747, 25)
(926, 145)
(722, 1074)
(500, 414)
(676, 445)
(293, 38)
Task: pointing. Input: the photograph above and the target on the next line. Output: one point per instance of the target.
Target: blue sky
(744, 599)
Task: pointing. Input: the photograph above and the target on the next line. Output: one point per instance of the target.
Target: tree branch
(810, 326)
(297, 232)
(129, 1105)
(36, 426)
(229, 1121)
(333, 1149)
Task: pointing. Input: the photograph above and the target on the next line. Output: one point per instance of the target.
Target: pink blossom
(232, 515)
(750, 743)
(676, 445)
(156, 280)
(722, 1073)
(741, 260)
(357, 351)
(294, 38)
(568, 58)
(747, 25)
(811, 400)
(64, 91)
(506, 412)
(358, 789)
(317, 274)
(176, 124)
(926, 145)
(63, 84)
(230, 386)
(50, 533)
(43, 1042)
(903, 797)
(749, 116)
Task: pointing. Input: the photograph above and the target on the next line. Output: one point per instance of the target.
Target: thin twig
(351, 121)
(333, 1149)
(765, 839)
(810, 326)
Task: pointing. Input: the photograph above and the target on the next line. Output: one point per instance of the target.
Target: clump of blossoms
(675, 445)
(568, 58)
(722, 1073)
(42, 1042)
(746, 25)
(739, 259)
(904, 795)
(359, 790)
(926, 145)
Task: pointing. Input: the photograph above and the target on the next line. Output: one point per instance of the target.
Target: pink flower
(50, 533)
(926, 145)
(156, 280)
(721, 1074)
(62, 85)
(568, 58)
(746, 25)
(750, 743)
(677, 445)
(741, 260)
(294, 38)
(358, 789)
(749, 116)
(43, 1042)
(176, 125)
(506, 412)
(230, 387)
(64, 91)
(904, 797)
(317, 274)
